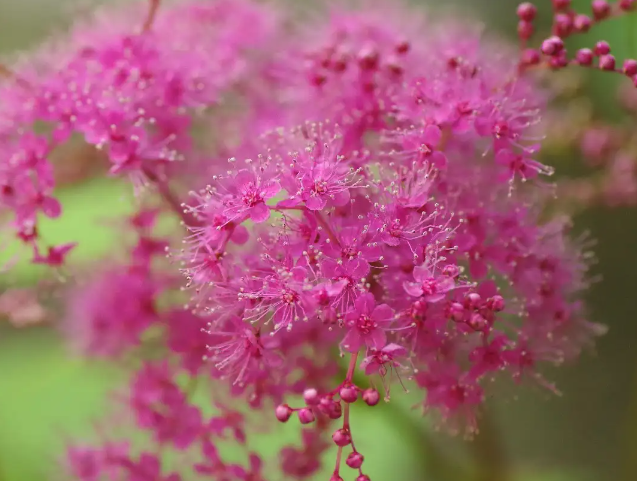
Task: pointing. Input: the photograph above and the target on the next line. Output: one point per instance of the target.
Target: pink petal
(413, 289)
(382, 314)
(240, 235)
(260, 213)
(365, 303)
(352, 341)
(432, 135)
(422, 273)
(376, 339)
(316, 202)
(341, 198)
(270, 189)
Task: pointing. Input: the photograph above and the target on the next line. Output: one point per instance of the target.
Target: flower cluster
(361, 204)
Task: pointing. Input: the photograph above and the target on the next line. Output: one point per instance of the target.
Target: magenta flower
(366, 324)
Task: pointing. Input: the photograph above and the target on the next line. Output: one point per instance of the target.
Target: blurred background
(588, 434)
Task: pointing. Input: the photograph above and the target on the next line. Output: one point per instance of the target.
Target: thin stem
(489, 452)
(150, 16)
(171, 199)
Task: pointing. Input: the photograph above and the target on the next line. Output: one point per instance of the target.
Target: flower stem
(150, 16)
(489, 453)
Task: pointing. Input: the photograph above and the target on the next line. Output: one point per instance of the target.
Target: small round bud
(306, 416)
(349, 394)
(472, 300)
(526, 11)
(371, 396)
(559, 61)
(311, 397)
(332, 409)
(354, 460)
(582, 23)
(525, 30)
(602, 48)
(362, 477)
(630, 67)
(283, 412)
(607, 62)
(456, 311)
(552, 46)
(496, 303)
(559, 5)
(601, 9)
(530, 56)
(627, 5)
(341, 437)
(477, 322)
(584, 56)
(562, 25)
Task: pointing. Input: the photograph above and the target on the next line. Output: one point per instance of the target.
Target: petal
(432, 135)
(365, 303)
(341, 198)
(413, 289)
(382, 314)
(240, 235)
(376, 339)
(357, 268)
(422, 273)
(352, 341)
(243, 178)
(259, 213)
(270, 189)
(316, 202)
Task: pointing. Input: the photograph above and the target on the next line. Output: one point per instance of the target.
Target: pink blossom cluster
(361, 204)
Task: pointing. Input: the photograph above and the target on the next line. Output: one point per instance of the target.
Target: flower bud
(349, 394)
(355, 460)
(341, 437)
(283, 412)
(306, 416)
(371, 397)
(311, 397)
(526, 11)
(601, 9)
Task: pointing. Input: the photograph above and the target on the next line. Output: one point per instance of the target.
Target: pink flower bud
(355, 460)
(349, 394)
(371, 397)
(552, 46)
(335, 477)
(525, 30)
(311, 397)
(601, 9)
(362, 477)
(472, 300)
(341, 437)
(627, 5)
(582, 23)
(630, 67)
(602, 48)
(560, 5)
(283, 412)
(584, 56)
(306, 416)
(526, 11)
(496, 303)
(607, 62)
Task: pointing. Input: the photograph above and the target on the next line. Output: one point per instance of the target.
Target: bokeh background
(588, 434)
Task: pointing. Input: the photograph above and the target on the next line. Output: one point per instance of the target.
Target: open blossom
(348, 185)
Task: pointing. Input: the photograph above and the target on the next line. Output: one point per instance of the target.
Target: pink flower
(366, 324)
(378, 359)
